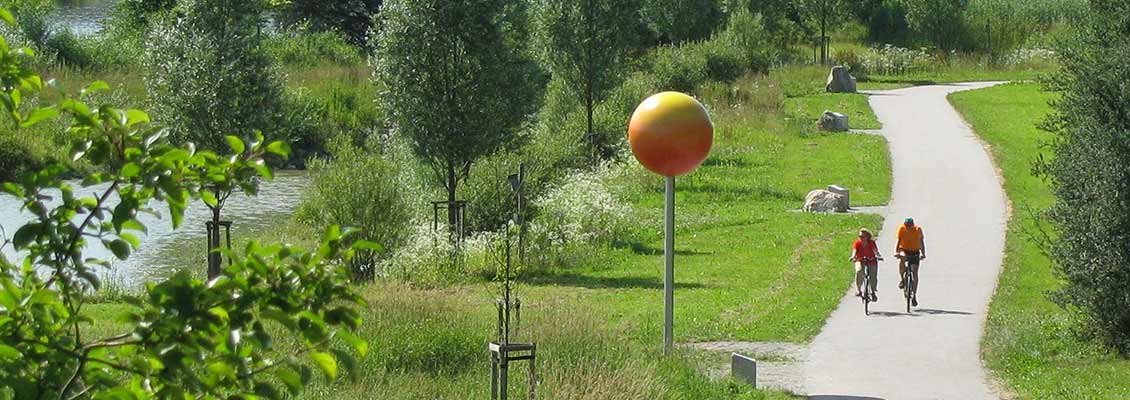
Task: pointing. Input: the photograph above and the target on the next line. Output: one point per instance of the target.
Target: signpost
(670, 134)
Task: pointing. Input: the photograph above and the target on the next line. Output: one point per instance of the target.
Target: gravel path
(945, 179)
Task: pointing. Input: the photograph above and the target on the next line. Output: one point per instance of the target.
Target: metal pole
(669, 272)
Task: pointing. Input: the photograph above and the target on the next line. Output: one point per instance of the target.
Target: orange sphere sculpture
(670, 133)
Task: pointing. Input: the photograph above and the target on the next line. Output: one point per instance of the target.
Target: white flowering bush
(1022, 57)
(581, 211)
(894, 60)
(426, 256)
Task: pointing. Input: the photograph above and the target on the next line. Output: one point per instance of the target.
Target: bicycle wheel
(907, 291)
(866, 294)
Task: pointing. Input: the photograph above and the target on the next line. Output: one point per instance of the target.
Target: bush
(363, 189)
(678, 68)
(746, 34)
(940, 22)
(1088, 174)
(852, 60)
(573, 216)
(891, 60)
(677, 21)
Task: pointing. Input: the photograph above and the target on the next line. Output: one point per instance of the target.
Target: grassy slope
(748, 269)
(1029, 340)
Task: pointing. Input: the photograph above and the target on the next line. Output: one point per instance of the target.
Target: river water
(83, 17)
(164, 251)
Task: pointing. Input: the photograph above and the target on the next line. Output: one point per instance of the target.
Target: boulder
(840, 81)
(842, 191)
(834, 122)
(825, 201)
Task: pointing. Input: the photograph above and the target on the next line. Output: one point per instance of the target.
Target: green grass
(1029, 341)
(808, 109)
(748, 268)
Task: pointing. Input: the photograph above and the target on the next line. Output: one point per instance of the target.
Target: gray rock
(744, 368)
(842, 191)
(825, 201)
(834, 122)
(840, 81)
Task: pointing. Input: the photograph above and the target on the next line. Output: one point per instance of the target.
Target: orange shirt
(910, 239)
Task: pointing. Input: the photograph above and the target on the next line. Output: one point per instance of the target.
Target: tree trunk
(214, 258)
(452, 208)
(589, 110)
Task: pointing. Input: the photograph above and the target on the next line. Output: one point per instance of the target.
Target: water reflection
(164, 251)
(83, 17)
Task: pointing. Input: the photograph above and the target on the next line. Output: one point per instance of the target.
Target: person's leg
(902, 273)
(914, 288)
(858, 277)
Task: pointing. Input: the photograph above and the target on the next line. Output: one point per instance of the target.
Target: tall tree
(586, 43)
(1089, 173)
(823, 15)
(352, 18)
(451, 83)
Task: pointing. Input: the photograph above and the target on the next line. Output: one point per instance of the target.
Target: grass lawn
(1029, 341)
(748, 268)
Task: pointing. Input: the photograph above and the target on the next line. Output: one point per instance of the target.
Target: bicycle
(867, 292)
(913, 260)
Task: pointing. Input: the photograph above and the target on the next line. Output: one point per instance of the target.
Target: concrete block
(842, 191)
(744, 369)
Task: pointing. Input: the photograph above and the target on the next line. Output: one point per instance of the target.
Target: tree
(1089, 174)
(186, 338)
(677, 21)
(352, 18)
(586, 43)
(451, 84)
(939, 21)
(208, 76)
(823, 15)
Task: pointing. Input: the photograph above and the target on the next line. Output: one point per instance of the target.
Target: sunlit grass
(1031, 342)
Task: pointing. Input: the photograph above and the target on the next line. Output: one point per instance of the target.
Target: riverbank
(1030, 342)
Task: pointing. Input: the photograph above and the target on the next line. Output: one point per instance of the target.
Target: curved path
(945, 179)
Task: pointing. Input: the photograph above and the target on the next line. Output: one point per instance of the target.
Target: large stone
(840, 81)
(842, 191)
(825, 201)
(744, 369)
(834, 122)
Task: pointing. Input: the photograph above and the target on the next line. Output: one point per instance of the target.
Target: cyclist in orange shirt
(911, 243)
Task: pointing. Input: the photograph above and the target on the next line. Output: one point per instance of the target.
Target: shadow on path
(940, 312)
(892, 314)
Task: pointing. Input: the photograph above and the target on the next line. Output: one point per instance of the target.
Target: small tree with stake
(186, 338)
(451, 83)
(824, 15)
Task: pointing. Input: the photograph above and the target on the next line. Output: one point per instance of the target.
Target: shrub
(580, 212)
(677, 21)
(891, 60)
(676, 68)
(745, 32)
(851, 59)
(361, 188)
(941, 22)
(1088, 174)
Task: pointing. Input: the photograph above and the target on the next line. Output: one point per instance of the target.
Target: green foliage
(823, 16)
(352, 19)
(311, 49)
(677, 21)
(940, 22)
(137, 16)
(746, 34)
(886, 21)
(1087, 174)
(450, 83)
(362, 188)
(208, 75)
(186, 338)
(586, 45)
(1000, 27)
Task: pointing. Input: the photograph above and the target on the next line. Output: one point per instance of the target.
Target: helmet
(908, 220)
